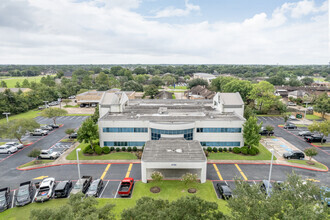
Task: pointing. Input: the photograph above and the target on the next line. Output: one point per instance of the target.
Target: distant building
(15, 90)
(206, 76)
(297, 94)
(199, 92)
(94, 97)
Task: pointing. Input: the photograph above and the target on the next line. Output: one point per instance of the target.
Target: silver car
(7, 149)
(15, 144)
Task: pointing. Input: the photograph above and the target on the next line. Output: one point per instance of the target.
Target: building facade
(214, 123)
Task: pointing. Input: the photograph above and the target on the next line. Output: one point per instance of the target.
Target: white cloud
(64, 31)
(177, 12)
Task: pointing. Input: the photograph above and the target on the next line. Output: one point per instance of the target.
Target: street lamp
(77, 151)
(270, 171)
(6, 113)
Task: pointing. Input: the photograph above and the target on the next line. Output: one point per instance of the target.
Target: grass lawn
(313, 117)
(173, 96)
(264, 154)
(68, 140)
(71, 106)
(79, 115)
(170, 190)
(178, 87)
(304, 162)
(327, 144)
(1, 143)
(29, 114)
(11, 81)
(33, 163)
(111, 156)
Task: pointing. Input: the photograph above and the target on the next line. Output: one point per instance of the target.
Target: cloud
(177, 12)
(67, 31)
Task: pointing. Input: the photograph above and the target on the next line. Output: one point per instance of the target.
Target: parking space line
(104, 189)
(105, 171)
(129, 170)
(271, 118)
(218, 172)
(35, 195)
(239, 169)
(12, 202)
(117, 190)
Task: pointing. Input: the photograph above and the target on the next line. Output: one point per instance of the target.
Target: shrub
(129, 149)
(230, 149)
(139, 154)
(106, 150)
(157, 176)
(220, 149)
(237, 150)
(189, 178)
(123, 149)
(209, 149)
(90, 151)
(112, 148)
(134, 149)
(215, 149)
(252, 151)
(225, 149)
(86, 149)
(34, 153)
(206, 153)
(98, 150)
(244, 150)
(117, 149)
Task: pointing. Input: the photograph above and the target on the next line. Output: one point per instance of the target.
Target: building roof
(173, 150)
(231, 98)
(90, 96)
(202, 91)
(164, 95)
(16, 89)
(204, 75)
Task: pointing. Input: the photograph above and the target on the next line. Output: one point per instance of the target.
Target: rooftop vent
(174, 151)
(162, 110)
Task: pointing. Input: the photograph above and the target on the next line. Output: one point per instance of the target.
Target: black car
(224, 190)
(62, 189)
(4, 199)
(54, 125)
(290, 126)
(264, 131)
(74, 135)
(314, 138)
(24, 194)
(294, 155)
(266, 186)
(95, 188)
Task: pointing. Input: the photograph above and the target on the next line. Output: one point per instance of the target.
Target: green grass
(178, 87)
(69, 140)
(170, 190)
(1, 143)
(33, 163)
(173, 96)
(304, 162)
(71, 106)
(264, 154)
(79, 115)
(11, 81)
(269, 115)
(327, 144)
(29, 114)
(313, 117)
(111, 156)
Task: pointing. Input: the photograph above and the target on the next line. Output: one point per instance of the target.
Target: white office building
(214, 123)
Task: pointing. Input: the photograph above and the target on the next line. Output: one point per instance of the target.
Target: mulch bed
(155, 189)
(192, 190)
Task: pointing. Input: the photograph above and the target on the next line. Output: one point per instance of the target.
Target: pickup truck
(126, 186)
(39, 132)
(49, 154)
(82, 185)
(46, 189)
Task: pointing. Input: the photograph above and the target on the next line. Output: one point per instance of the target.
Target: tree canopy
(88, 132)
(196, 82)
(322, 104)
(251, 130)
(53, 113)
(151, 91)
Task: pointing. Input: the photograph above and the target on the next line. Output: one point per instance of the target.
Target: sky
(285, 32)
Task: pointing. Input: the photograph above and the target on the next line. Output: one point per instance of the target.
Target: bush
(139, 154)
(34, 153)
(209, 149)
(157, 176)
(206, 153)
(106, 150)
(237, 150)
(220, 149)
(98, 150)
(117, 149)
(86, 149)
(90, 151)
(244, 150)
(129, 149)
(215, 149)
(134, 149)
(123, 149)
(189, 178)
(252, 151)
(112, 148)
(225, 149)
(230, 149)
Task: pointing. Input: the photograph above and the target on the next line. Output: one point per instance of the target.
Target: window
(221, 144)
(219, 130)
(156, 133)
(124, 143)
(126, 130)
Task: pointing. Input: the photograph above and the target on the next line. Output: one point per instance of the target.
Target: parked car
(24, 194)
(95, 188)
(54, 125)
(46, 190)
(292, 104)
(325, 195)
(74, 135)
(82, 185)
(93, 105)
(314, 138)
(126, 186)
(47, 128)
(310, 108)
(4, 199)
(48, 154)
(62, 189)
(264, 187)
(15, 144)
(264, 131)
(294, 155)
(72, 97)
(7, 149)
(305, 133)
(39, 132)
(292, 117)
(224, 190)
(290, 126)
(82, 105)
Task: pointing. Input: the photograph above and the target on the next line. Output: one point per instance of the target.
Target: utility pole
(6, 113)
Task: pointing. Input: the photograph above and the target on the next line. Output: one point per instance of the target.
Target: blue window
(157, 133)
(221, 144)
(219, 130)
(126, 130)
(124, 143)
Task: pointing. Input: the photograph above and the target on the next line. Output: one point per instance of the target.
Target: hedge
(106, 150)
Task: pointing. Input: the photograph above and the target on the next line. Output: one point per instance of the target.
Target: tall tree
(322, 104)
(3, 84)
(263, 94)
(218, 83)
(196, 82)
(53, 113)
(243, 87)
(310, 152)
(251, 130)
(88, 132)
(25, 84)
(321, 127)
(18, 85)
(151, 91)
(17, 128)
(132, 86)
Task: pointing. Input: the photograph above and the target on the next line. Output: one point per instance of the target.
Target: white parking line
(263, 118)
(12, 202)
(72, 117)
(254, 182)
(271, 118)
(103, 190)
(226, 182)
(34, 197)
(117, 190)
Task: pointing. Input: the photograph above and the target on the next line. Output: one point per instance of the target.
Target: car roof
(61, 184)
(265, 182)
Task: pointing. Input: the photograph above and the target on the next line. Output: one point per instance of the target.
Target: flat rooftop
(173, 150)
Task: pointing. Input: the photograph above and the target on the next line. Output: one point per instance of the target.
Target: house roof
(231, 98)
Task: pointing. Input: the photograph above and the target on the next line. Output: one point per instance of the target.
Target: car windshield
(78, 186)
(23, 191)
(2, 197)
(93, 187)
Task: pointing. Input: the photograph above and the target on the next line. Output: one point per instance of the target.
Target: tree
(78, 207)
(243, 87)
(321, 127)
(88, 132)
(17, 85)
(151, 91)
(251, 131)
(157, 81)
(218, 83)
(25, 83)
(322, 104)
(157, 176)
(189, 178)
(3, 84)
(189, 207)
(53, 113)
(17, 128)
(269, 129)
(66, 101)
(248, 112)
(307, 81)
(139, 71)
(102, 80)
(96, 115)
(295, 199)
(35, 152)
(310, 152)
(69, 131)
(132, 86)
(169, 80)
(196, 82)
(285, 116)
(263, 95)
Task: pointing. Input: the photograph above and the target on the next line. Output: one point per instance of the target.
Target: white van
(7, 149)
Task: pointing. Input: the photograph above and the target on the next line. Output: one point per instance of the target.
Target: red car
(126, 186)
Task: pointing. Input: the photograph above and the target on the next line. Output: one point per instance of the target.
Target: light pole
(45, 104)
(270, 171)
(6, 113)
(77, 151)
